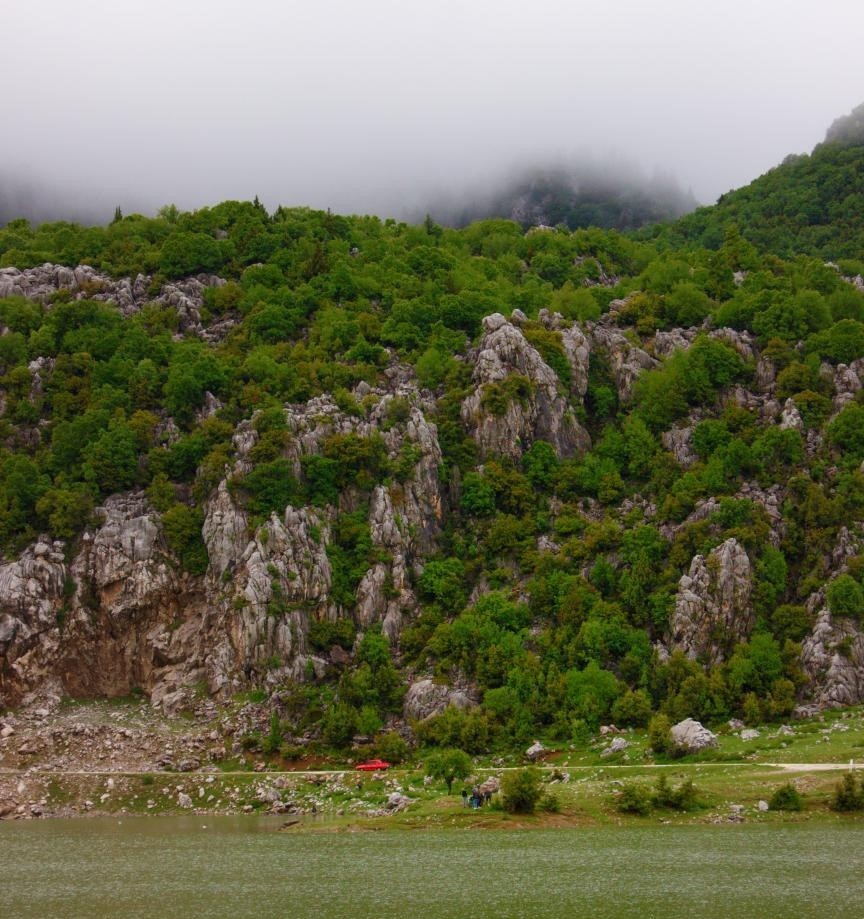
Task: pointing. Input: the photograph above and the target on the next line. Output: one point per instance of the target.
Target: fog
(383, 106)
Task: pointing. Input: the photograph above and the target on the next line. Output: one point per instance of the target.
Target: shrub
(845, 597)
(633, 799)
(324, 633)
(182, 526)
(391, 747)
(550, 803)
(339, 725)
(682, 798)
(497, 397)
(270, 487)
(848, 795)
(632, 709)
(520, 790)
(660, 735)
(786, 798)
(273, 740)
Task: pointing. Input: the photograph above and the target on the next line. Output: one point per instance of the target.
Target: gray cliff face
(425, 699)
(103, 624)
(128, 620)
(122, 614)
(541, 414)
(832, 656)
(712, 608)
(261, 617)
(31, 596)
(263, 590)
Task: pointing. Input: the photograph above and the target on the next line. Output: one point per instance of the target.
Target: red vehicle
(373, 765)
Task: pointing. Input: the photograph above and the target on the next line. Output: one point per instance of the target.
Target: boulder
(691, 736)
(618, 745)
(535, 751)
(490, 785)
(397, 802)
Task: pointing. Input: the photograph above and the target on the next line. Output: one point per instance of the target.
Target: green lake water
(196, 868)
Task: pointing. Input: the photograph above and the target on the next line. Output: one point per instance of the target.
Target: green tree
(845, 597)
(182, 526)
(448, 766)
(111, 461)
(660, 735)
(189, 253)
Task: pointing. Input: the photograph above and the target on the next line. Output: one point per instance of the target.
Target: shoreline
(120, 758)
(344, 801)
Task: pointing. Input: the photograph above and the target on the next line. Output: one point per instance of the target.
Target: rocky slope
(113, 611)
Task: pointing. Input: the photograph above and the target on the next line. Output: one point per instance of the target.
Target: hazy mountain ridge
(575, 197)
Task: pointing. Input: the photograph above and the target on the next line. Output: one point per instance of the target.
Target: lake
(196, 868)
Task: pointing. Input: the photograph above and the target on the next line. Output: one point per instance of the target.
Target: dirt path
(815, 767)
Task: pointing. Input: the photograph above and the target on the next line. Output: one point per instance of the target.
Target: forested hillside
(808, 205)
(566, 477)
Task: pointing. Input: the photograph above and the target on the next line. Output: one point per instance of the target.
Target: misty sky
(377, 104)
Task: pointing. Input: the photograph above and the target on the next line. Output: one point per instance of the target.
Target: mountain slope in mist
(573, 196)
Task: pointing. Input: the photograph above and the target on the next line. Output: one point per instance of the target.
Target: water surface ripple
(198, 868)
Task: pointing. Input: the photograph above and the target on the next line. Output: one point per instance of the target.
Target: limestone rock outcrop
(790, 417)
(185, 296)
(129, 606)
(677, 441)
(425, 699)
(31, 597)
(538, 412)
(712, 608)
(626, 360)
(832, 656)
(847, 382)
